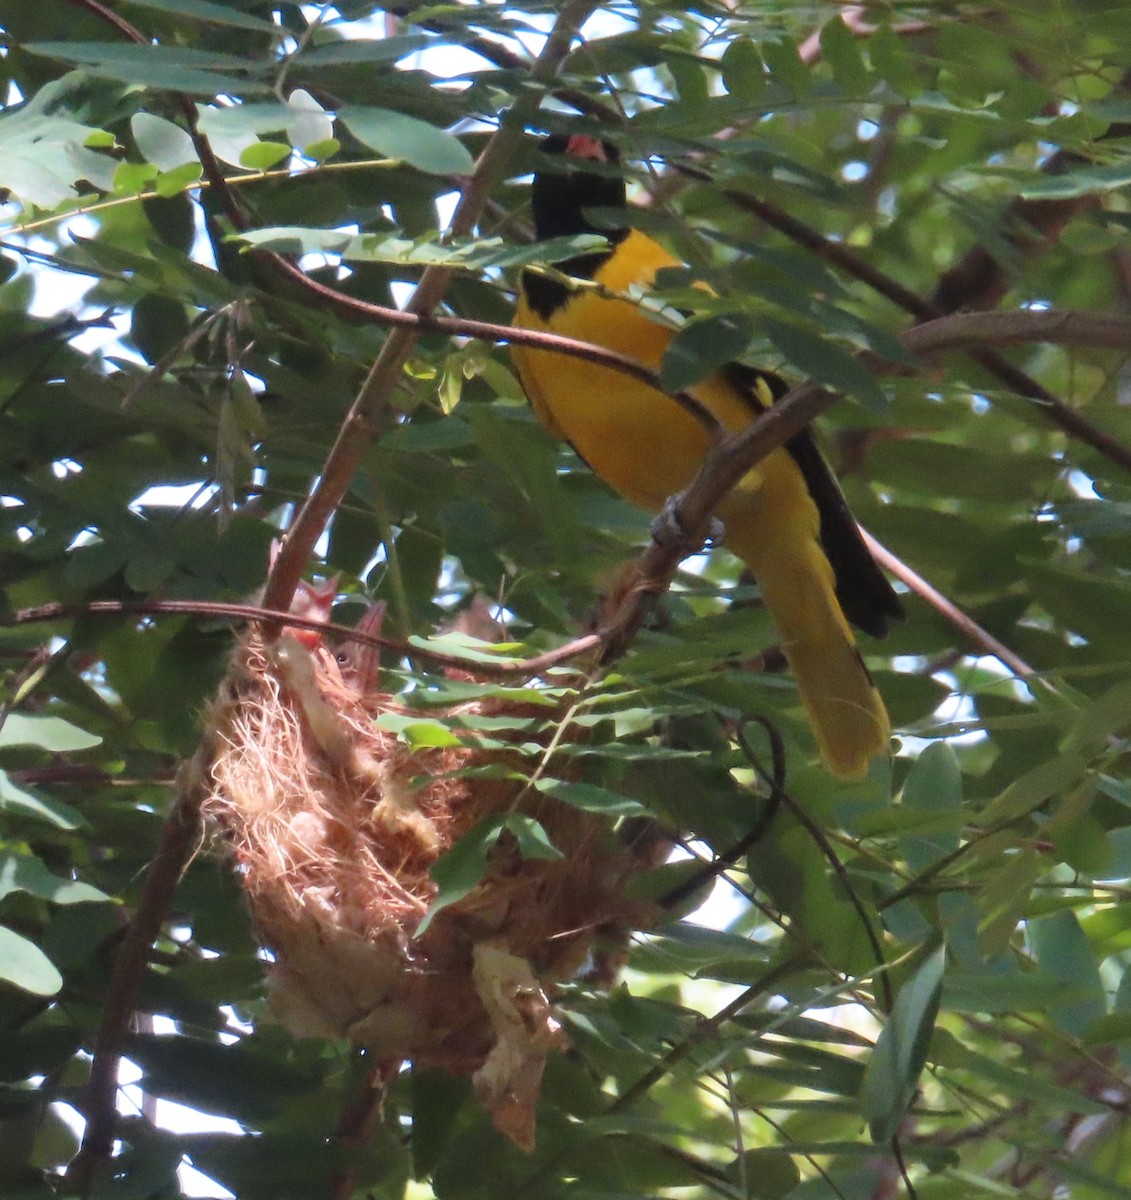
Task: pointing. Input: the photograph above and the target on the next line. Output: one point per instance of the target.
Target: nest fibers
(335, 824)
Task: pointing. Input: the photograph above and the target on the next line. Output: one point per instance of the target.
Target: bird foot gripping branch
(667, 529)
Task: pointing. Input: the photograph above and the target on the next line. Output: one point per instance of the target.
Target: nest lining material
(335, 824)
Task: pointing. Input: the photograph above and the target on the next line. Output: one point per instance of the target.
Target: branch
(853, 18)
(1060, 327)
(970, 628)
(979, 279)
(729, 459)
(489, 331)
(522, 668)
(1060, 414)
(506, 59)
(359, 429)
(179, 836)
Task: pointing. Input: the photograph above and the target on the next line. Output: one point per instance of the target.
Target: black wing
(864, 593)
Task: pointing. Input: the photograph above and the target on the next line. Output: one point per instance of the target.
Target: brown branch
(1051, 406)
(522, 668)
(978, 279)
(728, 460)
(500, 56)
(1059, 327)
(111, 18)
(489, 331)
(360, 426)
(853, 18)
(179, 835)
(356, 1120)
(966, 625)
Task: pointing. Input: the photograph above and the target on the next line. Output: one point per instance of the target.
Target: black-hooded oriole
(786, 519)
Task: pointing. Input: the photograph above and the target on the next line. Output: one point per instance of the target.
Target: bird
(786, 519)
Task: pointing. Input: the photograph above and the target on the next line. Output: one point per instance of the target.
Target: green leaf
(262, 156)
(437, 1100)
(472, 254)
(363, 50)
(934, 784)
(893, 63)
(1032, 789)
(893, 1070)
(323, 149)
(233, 1080)
(1084, 181)
(48, 733)
(697, 950)
(1062, 949)
(743, 70)
(533, 840)
(460, 870)
(23, 964)
(162, 143)
(767, 1174)
(26, 873)
(840, 50)
(589, 797)
(1005, 900)
(827, 363)
(415, 142)
(1011, 991)
(46, 156)
(703, 345)
(20, 803)
(165, 68)
(1109, 714)
(418, 732)
(785, 64)
(204, 10)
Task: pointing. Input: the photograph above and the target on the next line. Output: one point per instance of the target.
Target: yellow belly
(639, 441)
(646, 447)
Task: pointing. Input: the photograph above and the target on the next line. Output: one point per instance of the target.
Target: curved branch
(1070, 420)
(728, 460)
(520, 668)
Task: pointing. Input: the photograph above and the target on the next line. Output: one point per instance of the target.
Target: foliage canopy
(921, 983)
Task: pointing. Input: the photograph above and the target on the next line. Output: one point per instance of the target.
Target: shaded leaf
(892, 1074)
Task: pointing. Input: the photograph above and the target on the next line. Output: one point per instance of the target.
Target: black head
(588, 177)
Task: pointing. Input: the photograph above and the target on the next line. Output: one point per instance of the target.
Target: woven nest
(334, 825)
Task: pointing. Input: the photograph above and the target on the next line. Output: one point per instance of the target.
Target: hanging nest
(335, 825)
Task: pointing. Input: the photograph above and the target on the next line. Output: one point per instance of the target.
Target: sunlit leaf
(23, 964)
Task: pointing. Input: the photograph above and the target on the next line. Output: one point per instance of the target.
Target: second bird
(786, 519)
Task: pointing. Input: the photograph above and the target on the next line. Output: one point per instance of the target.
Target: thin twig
(775, 781)
(829, 852)
(974, 633)
(516, 669)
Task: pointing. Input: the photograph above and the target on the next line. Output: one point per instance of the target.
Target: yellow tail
(845, 709)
